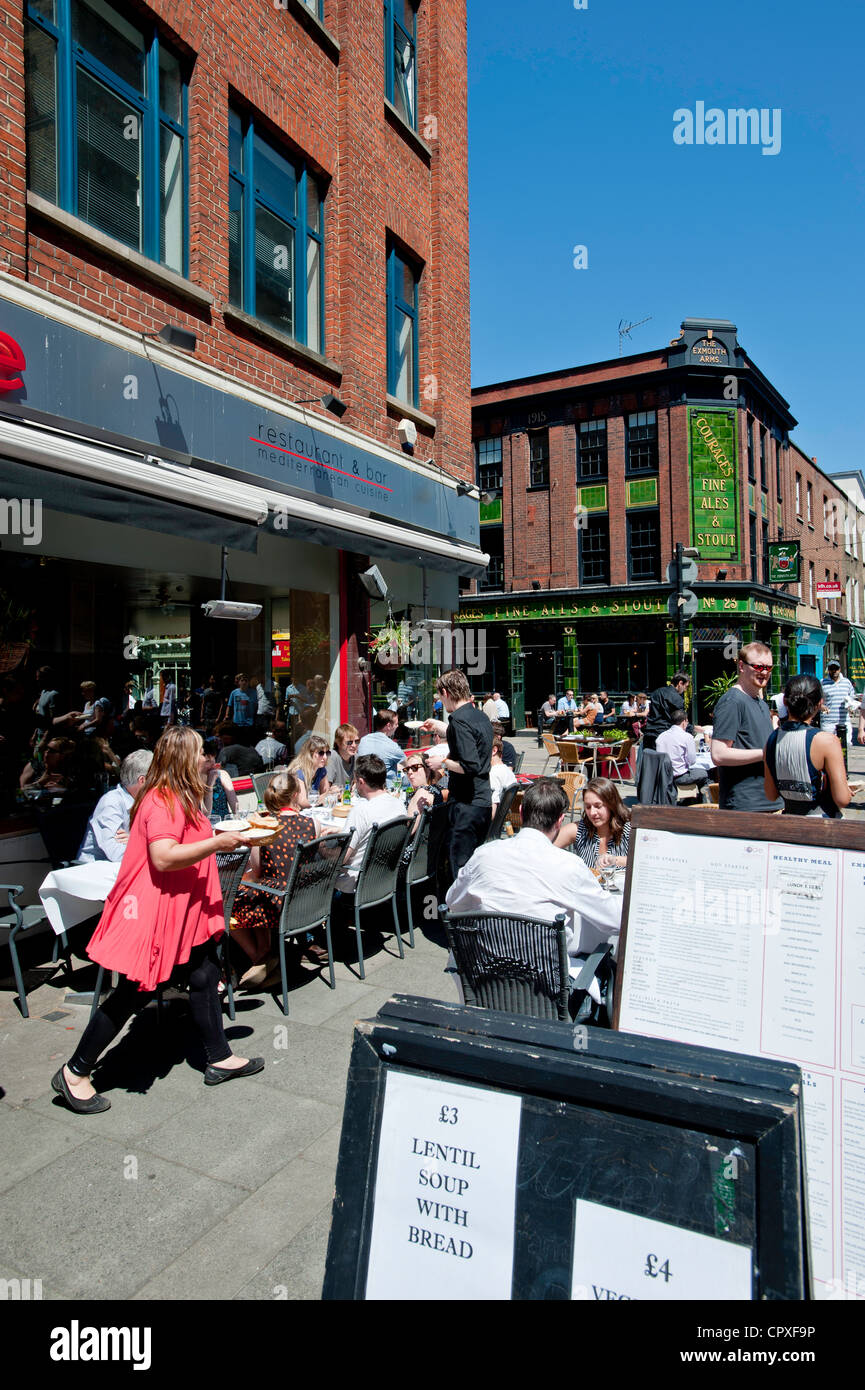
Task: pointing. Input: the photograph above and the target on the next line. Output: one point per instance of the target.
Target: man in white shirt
(834, 716)
(111, 812)
(501, 775)
(681, 749)
(528, 876)
(501, 706)
(375, 807)
(168, 708)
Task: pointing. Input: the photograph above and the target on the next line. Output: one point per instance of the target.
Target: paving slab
(31, 1140)
(82, 1226)
(297, 1271)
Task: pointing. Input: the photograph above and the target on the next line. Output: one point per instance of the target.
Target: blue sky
(571, 143)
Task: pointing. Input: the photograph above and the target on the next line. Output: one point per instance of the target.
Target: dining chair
(377, 880)
(501, 812)
(426, 846)
(307, 898)
(261, 781)
(19, 922)
(574, 784)
(518, 764)
(551, 748)
(616, 759)
(517, 965)
(231, 866)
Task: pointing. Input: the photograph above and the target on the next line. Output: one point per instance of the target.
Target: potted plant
(712, 692)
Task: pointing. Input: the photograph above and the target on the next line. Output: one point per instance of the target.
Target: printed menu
(759, 947)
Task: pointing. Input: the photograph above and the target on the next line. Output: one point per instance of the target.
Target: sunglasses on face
(323, 753)
(760, 669)
(414, 767)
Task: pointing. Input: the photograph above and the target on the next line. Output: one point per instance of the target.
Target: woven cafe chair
(513, 964)
(551, 748)
(617, 760)
(307, 898)
(574, 784)
(514, 815)
(573, 754)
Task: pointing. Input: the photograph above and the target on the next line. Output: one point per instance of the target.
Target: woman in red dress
(164, 910)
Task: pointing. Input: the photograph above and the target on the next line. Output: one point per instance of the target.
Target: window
(764, 476)
(752, 545)
(809, 497)
(493, 542)
(752, 474)
(314, 7)
(778, 469)
(642, 442)
(595, 551)
(811, 585)
(106, 125)
(400, 57)
(644, 546)
(592, 449)
(489, 465)
(275, 246)
(765, 552)
(798, 494)
(539, 458)
(826, 530)
(402, 315)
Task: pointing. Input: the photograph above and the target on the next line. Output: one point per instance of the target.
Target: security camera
(224, 608)
(374, 583)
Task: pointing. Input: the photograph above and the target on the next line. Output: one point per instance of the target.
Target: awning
(114, 485)
(856, 656)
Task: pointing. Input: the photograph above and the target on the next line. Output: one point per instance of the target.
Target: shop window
(488, 459)
(539, 458)
(493, 541)
(595, 551)
(641, 442)
(402, 321)
(275, 242)
(106, 125)
(592, 450)
(644, 546)
(400, 57)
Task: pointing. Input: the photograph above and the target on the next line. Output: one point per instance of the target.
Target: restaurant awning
(73, 473)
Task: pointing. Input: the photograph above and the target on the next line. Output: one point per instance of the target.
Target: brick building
(233, 283)
(590, 477)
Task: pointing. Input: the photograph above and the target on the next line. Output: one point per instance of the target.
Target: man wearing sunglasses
(741, 729)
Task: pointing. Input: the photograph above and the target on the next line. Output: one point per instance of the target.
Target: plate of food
(413, 723)
(232, 827)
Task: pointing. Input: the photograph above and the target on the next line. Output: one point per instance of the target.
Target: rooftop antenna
(625, 329)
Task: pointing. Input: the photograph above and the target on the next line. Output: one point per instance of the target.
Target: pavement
(182, 1191)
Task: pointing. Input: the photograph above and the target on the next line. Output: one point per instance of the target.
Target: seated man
(567, 710)
(608, 709)
(111, 812)
(681, 749)
(528, 876)
(375, 807)
(381, 744)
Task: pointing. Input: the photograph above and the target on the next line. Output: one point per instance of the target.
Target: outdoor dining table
(70, 896)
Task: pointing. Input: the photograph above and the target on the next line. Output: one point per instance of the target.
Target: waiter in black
(467, 763)
(663, 704)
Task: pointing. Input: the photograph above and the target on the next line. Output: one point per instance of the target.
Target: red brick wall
(331, 113)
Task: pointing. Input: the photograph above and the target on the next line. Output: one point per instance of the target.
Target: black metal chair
(377, 880)
(25, 921)
(425, 848)
(504, 806)
(62, 829)
(307, 898)
(232, 866)
(261, 781)
(520, 759)
(514, 964)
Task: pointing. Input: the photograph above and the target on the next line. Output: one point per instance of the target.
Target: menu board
(757, 945)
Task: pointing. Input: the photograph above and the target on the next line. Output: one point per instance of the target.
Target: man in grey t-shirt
(741, 728)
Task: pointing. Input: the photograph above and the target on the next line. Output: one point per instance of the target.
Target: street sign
(689, 604)
(689, 571)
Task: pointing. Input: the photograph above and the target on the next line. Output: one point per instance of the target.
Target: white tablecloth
(70, 896)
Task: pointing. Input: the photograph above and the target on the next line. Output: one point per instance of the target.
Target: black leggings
(127, 999)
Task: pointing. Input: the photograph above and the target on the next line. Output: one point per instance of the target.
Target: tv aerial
(625, 329)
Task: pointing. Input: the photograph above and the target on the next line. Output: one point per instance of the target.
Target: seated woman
(256, 913)
(423, 781)
(802, 765)
(220, 799)
(52, 768)
(310, 768)
(602, 835)
(501, 775)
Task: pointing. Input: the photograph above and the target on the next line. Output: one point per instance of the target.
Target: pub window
(641, 442)
(488, 453)
(494, 545)
(592, 446)
(644, 546)
(752, 473)
(106, 125)
(595, 551)
(275, 245)
(539, 458)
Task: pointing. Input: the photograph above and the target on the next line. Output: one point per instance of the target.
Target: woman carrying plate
(257, 913)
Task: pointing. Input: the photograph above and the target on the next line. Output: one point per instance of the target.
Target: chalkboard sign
(747, 932)
(488, 1156)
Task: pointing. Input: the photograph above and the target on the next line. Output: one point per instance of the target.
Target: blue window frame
(400, 57)
(106, 125)
(275, 240)
(402, 319)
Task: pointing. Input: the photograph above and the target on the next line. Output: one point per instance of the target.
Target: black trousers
(127, 999)
(468, 827)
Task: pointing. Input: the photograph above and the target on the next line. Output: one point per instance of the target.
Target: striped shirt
(835, 695)
(588, 846)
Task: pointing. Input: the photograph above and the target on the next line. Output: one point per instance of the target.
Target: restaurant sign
(783, 562)
(714, 483)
